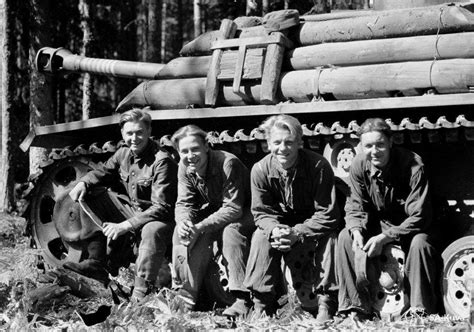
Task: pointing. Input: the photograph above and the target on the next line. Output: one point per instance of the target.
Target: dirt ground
(21, 277)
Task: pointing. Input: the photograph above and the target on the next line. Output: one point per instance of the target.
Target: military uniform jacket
(149, 179)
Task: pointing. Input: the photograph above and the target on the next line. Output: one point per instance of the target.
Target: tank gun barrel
(55, 60)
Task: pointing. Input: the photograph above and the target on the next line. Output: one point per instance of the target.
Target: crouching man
(213, 204)
(294, 206)
(389, 202)
(148, 174)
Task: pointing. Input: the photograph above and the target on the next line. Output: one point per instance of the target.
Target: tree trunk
(197, 18)
(164, 15)
(154, 31)
(41, 102)
(129, 51)
(8, 92)
(142, 30)
(87, 83)
(265, 7)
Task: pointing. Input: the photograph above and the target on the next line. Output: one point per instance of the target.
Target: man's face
(284, 146)
(193, 153)
(136, 135)
(376, 147)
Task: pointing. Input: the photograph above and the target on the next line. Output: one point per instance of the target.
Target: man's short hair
(135, 115)
(283, 121)
(375, 124)
(189, 130)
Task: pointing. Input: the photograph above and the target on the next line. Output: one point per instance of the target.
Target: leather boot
(142, 288)
(326, 308)
(93, 266)
(241, 306)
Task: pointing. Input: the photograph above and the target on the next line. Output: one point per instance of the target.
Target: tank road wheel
(51, 185)
(458, 277)
(340, 154)
(387, 282)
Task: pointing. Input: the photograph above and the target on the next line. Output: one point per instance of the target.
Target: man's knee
(344, 239)
(156, 230)
(232, 235)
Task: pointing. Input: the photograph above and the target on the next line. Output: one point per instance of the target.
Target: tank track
(406, 125)
(316, 134)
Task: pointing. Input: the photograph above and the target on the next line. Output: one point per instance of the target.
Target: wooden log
(185, 67)
(446, 18)
(388, 24)
(374, 81)
(418, 48)
(370, 81)
(336, 15)
(390, 4)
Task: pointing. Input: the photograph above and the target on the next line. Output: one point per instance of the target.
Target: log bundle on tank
(372, 54)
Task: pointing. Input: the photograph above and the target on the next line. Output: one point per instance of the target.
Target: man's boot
(142, 288)
(241, 306)
(93, 266)
(326, 308)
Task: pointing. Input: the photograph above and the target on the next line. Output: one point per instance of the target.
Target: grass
(19, 276)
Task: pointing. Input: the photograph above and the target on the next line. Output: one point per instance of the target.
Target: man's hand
(357, 240)
(113, 231)
(283, 237)
(188, 233)
(77, 193)
(375, 244)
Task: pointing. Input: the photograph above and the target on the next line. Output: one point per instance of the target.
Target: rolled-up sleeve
(163, 194)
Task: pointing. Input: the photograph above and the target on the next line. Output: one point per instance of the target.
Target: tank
(331, 71)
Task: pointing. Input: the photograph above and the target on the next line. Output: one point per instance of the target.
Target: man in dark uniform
(389, 203)
(213, 204)
(148, 174)
(295, 210)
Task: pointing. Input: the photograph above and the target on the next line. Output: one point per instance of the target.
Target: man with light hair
(295, 210)
(148, 174)
(213, 205)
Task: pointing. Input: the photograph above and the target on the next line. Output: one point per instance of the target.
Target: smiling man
(294, 206)
(213, 204)
(148, 174)
(389, 202)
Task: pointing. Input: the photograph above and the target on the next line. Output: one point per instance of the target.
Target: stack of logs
(364, 54)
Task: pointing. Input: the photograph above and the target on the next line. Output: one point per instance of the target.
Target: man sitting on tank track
(389, 203)
(295, 209)
(148, 174)
(213, 204)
